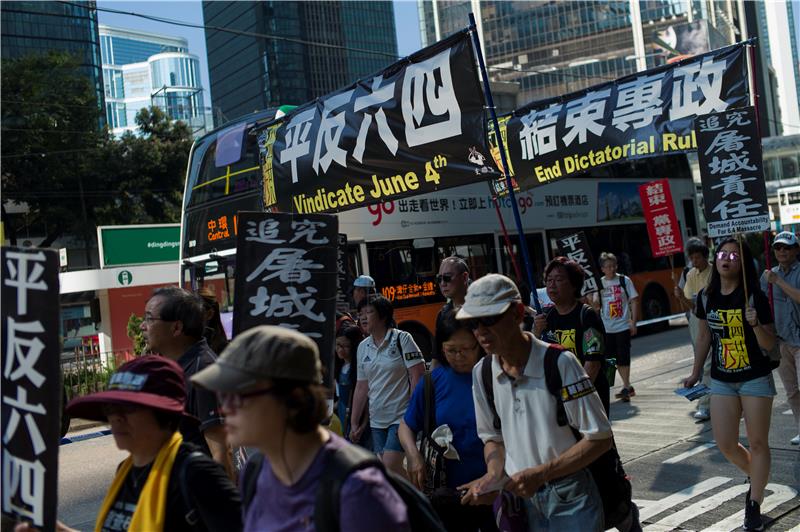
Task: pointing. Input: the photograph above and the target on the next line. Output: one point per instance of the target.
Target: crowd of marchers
(506, 427)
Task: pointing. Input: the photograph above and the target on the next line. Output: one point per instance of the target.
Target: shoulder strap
(430, 403)
(341, 463)
(250, 478)
(623, 282)
(488, 388)
(191, 516)
(552, 377)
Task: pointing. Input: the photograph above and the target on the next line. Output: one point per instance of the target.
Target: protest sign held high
(415, 127)
(645, 114)
(31, 385)
(345, 287)
(662, 223)
(729, 152)
(576, 247)
(286, 275)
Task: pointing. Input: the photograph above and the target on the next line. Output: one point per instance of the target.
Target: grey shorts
(760, 387)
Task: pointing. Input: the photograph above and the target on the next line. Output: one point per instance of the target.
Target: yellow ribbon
(151, 506)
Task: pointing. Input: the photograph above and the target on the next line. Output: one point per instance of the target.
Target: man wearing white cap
(785, 281)
(543, 459)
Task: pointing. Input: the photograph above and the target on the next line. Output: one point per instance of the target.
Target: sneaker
(752, 514)
(702, 415)
(631, 392)
(795, 440)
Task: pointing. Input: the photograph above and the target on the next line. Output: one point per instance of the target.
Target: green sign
(128, 245)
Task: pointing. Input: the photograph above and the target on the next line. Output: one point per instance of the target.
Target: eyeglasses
(781, 247)
(112, 409)
(555, 280)
(234, 400)
(486, 321)
(451, 351)
(732, 256)
(444, 278)
(150, 319)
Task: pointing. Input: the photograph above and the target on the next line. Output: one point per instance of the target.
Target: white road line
(684, 495)
(780, 495)
(681, 361)
(700, 507)
(787, 412)
(691, 452)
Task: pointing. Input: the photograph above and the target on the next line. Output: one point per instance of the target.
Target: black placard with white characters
(576, 247)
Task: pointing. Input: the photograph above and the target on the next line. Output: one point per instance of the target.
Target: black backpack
(607, 471)
(341, 464)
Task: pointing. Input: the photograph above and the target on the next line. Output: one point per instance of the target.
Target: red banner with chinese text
(662, 224)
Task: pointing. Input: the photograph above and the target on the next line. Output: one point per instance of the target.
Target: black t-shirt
(585, 339)
(735, 354)
(215, 498)
(200, 403)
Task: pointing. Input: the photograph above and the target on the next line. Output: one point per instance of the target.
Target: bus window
(535, 248)
(476, 250)
(213, 182)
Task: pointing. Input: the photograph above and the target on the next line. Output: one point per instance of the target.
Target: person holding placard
(736, 324)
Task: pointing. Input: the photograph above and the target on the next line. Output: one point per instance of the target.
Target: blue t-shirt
(456, 409)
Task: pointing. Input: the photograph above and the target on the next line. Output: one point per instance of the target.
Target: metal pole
(523, 244)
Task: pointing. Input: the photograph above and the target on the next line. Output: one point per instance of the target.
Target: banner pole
(751, 50)
(672, 270)
(741, 258)
(506, 238)
(523, 244)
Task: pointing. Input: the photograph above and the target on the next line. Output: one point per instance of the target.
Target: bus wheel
(655, 304)
(421, 336)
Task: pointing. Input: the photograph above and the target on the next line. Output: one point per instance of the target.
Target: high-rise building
(40, 27)
(141, 69)
(280, 65)
(553, 48)
(780, 40)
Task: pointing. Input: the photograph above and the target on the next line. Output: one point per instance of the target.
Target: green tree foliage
(135, 333)
(71, 172)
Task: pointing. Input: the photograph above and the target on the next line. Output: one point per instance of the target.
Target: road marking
(780, 495)
(684, 495)
(691, 452)
(700, 507)
(86, 436)
(787, 412)
(681, 361)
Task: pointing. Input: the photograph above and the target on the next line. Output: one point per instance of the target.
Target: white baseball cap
(364, 281)
(490, 295)
(785, 237)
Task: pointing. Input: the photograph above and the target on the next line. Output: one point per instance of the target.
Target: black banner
(345, 284)
(576, 247)
(415, 127)
(31, 385)
(642, 115)
(734, 192)
(286, 275)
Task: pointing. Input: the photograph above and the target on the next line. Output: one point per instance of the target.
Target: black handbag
(435, 486)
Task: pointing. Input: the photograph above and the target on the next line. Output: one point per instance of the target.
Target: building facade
(293, 52)
(141, 69)
(552, 48)
(41, 27)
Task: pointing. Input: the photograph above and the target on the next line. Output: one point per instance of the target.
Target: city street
(680, 480)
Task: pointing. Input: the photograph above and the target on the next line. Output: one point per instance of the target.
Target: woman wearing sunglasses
(452, 405)
(165, 484)
(573, 324)
(269, 384)
(737, 328)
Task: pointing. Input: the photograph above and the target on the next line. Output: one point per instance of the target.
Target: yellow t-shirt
(695, 280)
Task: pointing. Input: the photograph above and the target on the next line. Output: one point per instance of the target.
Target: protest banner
(344, 283)
(286, 275)
(662, 223)
(415, 127)
(576, 247)
(31, 385)
(646, 114)
(734, 192)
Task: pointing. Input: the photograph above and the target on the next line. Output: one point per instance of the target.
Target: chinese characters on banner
(662, 224)
(286, 275)
(645, 114)
(31, 385)
(576, 247)
(734, 193)
(417, 126)
(345, 286)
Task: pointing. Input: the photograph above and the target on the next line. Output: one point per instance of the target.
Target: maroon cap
(151, 381)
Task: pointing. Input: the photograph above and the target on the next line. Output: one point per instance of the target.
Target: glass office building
(141, 69)
(41, 27)
(250, 73)
(553, 48)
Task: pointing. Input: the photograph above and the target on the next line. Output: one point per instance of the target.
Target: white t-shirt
(528, 410)
(385, 368)
(615, 308)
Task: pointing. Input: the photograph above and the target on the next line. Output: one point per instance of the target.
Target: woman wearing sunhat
(165, 484)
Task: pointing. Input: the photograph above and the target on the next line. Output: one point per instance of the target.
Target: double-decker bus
(401, 243)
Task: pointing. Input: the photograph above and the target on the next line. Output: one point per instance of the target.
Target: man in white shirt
(529, 453)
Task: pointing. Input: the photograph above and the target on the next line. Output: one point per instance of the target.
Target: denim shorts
(386, 439)
(759, 387)
(570, 503)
